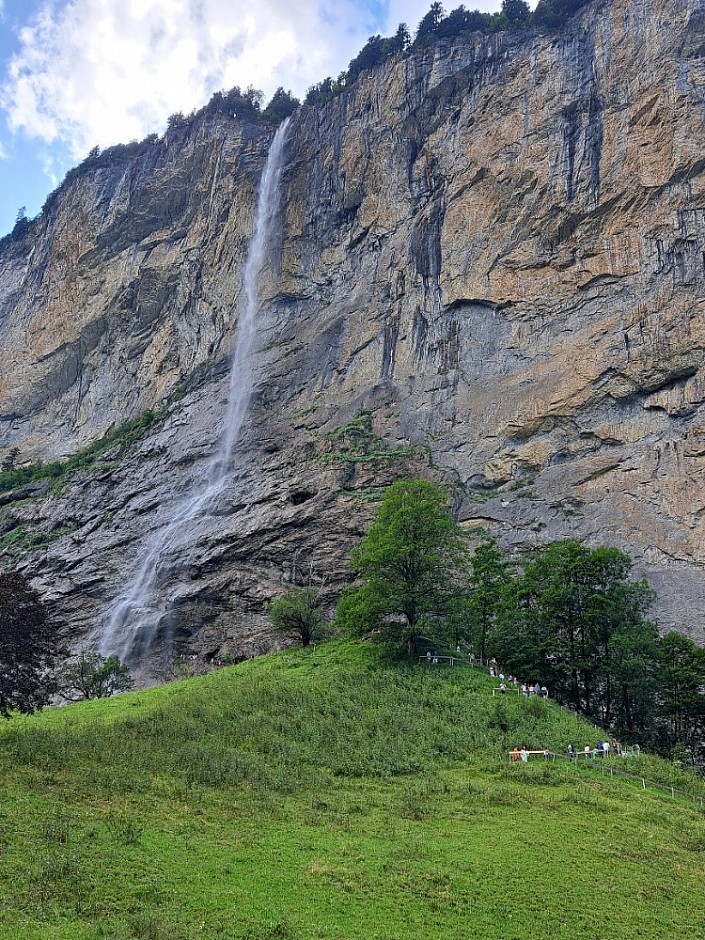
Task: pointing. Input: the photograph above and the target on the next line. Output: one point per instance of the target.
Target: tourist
(571, 752)
(524, 754)
(515, 754)
(605, 748)
(544, 691)
(502, 689)
(587, 752)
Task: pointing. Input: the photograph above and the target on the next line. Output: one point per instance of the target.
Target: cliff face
(495, 248)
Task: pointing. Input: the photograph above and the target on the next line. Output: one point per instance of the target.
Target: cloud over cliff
(101, 71)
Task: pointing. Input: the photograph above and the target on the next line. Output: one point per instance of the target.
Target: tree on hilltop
(576, 623)
(409, 567)
(282, 106)
(681, 696)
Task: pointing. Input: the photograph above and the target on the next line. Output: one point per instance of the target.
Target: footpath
(604, 765)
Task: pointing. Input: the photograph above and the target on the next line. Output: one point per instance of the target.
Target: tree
(402, 38)
(489, 579)
(556, 13)
(574, 622)
(681, 695)
(322, 92)
(409, 567)
(297, 613)
(282, 105)
(517, 12)
(429, 23)
(29, 647)
(91, 675)
(22, 224)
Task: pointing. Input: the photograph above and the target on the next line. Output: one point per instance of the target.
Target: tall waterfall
(138, 612)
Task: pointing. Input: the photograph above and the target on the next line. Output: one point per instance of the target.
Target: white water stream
(137, 613)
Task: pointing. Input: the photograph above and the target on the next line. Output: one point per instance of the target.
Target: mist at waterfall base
(139, 615)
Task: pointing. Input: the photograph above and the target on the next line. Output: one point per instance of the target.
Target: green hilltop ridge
(329, 793)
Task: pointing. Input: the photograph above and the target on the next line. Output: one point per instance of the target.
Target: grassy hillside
(327, 794)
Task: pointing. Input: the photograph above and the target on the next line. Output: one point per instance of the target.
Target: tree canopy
(90, 675)
(297, 614)
(409, 567)
(29, 647)
(573, 621)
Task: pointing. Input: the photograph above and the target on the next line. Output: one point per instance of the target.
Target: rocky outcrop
(495, 248)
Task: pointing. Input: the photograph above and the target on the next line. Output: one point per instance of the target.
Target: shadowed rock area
(489, 271)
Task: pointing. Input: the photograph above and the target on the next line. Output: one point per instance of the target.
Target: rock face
(489, 270)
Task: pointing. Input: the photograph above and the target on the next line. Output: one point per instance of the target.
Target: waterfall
(138, 612)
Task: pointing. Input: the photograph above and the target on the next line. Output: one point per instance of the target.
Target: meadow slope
(330, 794)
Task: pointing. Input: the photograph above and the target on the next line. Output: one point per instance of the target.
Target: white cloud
(103, 71)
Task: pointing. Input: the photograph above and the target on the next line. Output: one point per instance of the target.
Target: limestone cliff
(495, 248)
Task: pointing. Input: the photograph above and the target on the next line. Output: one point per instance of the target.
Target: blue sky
(76, 73)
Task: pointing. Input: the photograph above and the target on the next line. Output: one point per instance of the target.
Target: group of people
(601, 749)
(526, 690)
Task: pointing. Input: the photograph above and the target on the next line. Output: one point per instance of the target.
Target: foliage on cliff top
(327, 793)
(246, 105)
(515, 16)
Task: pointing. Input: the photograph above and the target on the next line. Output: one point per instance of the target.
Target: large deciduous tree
(681, 697)
(29, 647)
(409, 567)
(575, 622)
(490, 577)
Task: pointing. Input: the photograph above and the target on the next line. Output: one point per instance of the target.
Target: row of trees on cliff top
(566, 616)
(436, 24)
(248, 104)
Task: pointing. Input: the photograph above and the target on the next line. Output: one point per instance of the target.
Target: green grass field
(331, 794)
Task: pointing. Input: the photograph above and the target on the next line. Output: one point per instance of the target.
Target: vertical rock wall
(490, 271)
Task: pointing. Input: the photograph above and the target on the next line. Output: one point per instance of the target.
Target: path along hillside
(329, 794)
